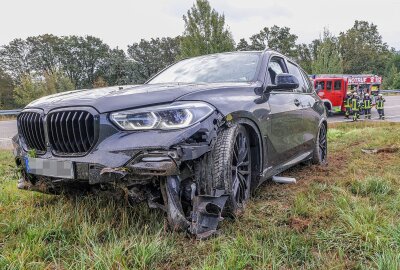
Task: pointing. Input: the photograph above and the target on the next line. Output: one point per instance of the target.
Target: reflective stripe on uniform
(380, 103)
(354, 104)
(367, 103)
(347, 103)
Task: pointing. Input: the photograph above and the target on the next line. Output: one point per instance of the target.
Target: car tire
(231, 167)
(320, 154)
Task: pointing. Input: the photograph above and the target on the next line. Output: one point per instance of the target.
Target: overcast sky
(122, 22)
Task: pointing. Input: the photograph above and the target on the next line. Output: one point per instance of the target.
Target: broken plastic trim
(172, 199)
(206, 214)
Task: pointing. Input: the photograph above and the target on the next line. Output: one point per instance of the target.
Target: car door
(311, 117)
(286, 131)
(304, 107)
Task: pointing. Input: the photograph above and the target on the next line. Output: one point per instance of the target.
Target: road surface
(392, 111)
(7, 130)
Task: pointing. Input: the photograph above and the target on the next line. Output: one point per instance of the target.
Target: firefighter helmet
(367, 95)
(348, 93)
(379, 95)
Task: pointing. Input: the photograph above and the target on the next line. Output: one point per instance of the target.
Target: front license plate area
(49, 167)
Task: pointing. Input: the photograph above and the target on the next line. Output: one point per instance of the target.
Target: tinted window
(275, 67)
(328, 85)
(309, 86)
(294, 70)
(320, 85)
(337, 85)
(231, 67)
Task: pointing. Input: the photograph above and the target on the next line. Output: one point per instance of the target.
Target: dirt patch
(298, 224)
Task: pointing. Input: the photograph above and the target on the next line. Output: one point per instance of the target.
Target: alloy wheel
(323, 144)
(241, 169)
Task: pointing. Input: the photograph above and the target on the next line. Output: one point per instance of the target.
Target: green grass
(344, 216)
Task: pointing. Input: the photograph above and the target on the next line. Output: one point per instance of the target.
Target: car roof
(267, 50)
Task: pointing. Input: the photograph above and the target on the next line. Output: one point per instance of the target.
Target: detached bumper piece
(172, 199)
(206, 213)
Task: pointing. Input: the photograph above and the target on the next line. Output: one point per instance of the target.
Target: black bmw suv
(194, 141)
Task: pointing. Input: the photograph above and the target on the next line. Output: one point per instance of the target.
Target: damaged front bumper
(157, 166)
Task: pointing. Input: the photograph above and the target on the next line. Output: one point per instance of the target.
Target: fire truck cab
(332, 91)
(332, 88)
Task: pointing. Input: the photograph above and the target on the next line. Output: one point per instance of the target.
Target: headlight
(173, 116)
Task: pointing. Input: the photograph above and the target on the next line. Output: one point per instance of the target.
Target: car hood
(119, 98)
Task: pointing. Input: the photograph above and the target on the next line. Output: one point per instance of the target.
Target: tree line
(47, 64)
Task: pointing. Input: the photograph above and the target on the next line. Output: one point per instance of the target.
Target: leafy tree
(27, 90)
(15, 58)
(6, 88)
(82, 58)
(396, 82)
(394, 60)
(313, 46)
(304, 57)
(31, 88)
(327, 60)
(276, 38)
(56, 82)
(99, 82)
(152, 56)
(79, 57)
(44, 53)
(116, 68)
(243, 45)
(363, 50)
(205, 31)
(392, 81)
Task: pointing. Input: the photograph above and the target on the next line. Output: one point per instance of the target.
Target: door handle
(297, 102)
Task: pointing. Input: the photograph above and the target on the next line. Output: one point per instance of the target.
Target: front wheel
(231, 168)
(320, 154)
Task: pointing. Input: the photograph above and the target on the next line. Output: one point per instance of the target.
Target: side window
(329, 85)
(309, 86)
(320, 85)
(275, 67)
(337, 86)
(294, 70)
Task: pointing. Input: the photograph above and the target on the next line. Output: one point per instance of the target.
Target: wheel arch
(324, 122)
(328, 104)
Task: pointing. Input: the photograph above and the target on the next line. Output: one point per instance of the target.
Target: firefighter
(380, 102)
(367, 105)
(355, 106)
(359, 90)
(347, 104)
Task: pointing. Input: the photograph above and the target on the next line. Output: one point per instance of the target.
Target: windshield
(230, 67)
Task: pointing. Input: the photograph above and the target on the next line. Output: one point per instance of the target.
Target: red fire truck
(332, 89)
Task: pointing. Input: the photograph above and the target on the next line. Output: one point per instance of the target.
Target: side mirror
(284, 81)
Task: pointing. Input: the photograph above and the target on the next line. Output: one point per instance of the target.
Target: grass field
(343, 216)
(7, 117)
